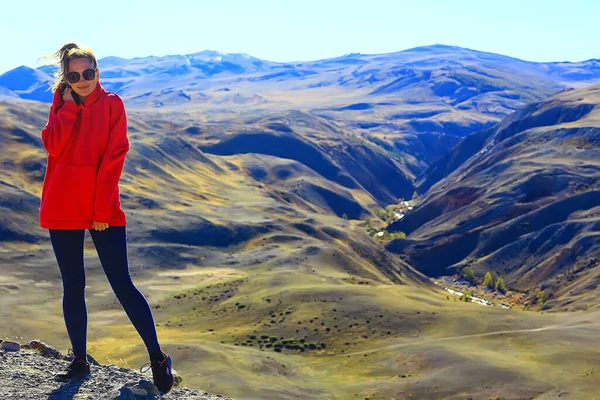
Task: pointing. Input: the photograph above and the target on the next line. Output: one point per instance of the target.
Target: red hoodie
(86, 147)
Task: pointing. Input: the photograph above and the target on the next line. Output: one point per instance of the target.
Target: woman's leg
(111, 245)
(68, 249)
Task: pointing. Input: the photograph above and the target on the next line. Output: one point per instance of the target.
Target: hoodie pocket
(71, 193)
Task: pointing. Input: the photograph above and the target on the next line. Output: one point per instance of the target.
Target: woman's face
(82, 87)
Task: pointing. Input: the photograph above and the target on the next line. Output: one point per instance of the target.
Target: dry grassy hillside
(260, 289)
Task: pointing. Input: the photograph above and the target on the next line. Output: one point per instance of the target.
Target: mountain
(229, 223)
(461, 78)
(520, 199)
(302, 160)
(27, 83)
(247, 227)
(414, 104)
(248, 209)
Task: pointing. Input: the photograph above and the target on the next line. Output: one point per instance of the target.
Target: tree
(543, 296)
(500, 285)
(380, 213)
(396, 235)
(488, 280)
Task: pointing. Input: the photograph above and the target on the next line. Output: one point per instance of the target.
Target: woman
(86, 141)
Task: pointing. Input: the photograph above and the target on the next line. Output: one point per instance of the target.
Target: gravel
(27, 375)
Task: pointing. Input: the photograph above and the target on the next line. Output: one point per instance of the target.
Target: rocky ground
(26, 373)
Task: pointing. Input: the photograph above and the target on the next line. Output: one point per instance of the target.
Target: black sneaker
(162, 372)
(79, 368)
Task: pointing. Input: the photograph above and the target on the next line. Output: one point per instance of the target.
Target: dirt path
(461, 337)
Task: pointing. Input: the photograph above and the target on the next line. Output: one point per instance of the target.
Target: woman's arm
(62, 117)
(111, 166)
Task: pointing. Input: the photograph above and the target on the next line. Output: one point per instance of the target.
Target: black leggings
(111, 246)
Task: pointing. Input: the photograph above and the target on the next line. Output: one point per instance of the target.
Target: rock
(149, 387)
(125, 393)
(10, 346)
(178, 380)
(136, 389)
(27, 375)
(44, 349)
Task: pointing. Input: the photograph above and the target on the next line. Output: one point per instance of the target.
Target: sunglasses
(88, 75)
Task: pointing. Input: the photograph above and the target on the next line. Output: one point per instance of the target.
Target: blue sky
(300, 30)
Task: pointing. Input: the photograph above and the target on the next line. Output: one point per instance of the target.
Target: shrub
(468, 274)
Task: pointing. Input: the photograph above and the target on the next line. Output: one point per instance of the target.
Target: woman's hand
(99, 226)
(67, 95)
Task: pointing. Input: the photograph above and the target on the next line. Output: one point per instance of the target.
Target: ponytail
(62, 57)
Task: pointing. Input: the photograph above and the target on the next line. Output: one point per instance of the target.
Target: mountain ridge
(214, 63)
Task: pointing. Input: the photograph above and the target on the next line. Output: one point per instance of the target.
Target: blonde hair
(68, 52)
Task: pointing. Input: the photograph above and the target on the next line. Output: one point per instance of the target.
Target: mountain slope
(524, 204)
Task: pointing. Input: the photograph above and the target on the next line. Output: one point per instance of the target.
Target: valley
(254, 213)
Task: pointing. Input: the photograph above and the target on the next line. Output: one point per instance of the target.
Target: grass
(383, 341)
(208, 350)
